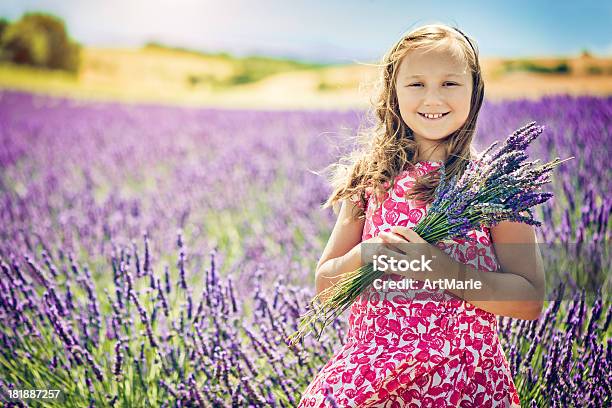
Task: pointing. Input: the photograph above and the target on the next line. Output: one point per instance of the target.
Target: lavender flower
(78, 183)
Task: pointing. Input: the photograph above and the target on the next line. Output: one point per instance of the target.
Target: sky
(330, 30)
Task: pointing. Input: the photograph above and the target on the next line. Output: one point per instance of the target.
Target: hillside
(160, 74)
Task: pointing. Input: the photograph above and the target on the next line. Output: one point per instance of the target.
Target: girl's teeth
(433, 115)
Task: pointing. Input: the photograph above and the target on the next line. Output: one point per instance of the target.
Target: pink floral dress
(432, 350)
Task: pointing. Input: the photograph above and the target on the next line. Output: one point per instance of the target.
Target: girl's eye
(419, 84)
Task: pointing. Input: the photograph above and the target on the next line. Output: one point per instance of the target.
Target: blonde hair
(385, 149)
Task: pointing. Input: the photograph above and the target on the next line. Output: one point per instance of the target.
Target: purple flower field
(158, 256)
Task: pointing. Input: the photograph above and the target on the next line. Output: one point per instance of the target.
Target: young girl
(438, 350)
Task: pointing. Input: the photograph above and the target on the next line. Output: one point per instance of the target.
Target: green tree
(3, 24)
(40, 39)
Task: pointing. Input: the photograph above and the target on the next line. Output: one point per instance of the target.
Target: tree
(40, 39)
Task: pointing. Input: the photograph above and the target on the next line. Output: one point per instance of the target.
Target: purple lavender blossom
(79, 183)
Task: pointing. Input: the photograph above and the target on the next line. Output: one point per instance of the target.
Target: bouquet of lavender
(497, 186)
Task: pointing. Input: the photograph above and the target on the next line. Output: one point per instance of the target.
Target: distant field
(159, 74)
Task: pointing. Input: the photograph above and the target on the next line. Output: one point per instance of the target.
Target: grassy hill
(156, 73)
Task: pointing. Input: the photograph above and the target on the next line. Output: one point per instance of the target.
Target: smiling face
(434, 90)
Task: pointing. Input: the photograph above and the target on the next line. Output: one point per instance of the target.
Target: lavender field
(158, 256)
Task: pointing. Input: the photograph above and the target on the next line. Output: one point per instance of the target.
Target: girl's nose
(432, 97)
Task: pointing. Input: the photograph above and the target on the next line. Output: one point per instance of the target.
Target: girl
(436, 350)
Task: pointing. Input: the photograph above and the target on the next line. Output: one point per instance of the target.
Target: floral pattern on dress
(432, 349)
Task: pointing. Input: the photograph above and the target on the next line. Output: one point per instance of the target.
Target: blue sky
(330, 30)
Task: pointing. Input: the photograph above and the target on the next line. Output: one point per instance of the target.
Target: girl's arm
(517, 290)
(342, 253)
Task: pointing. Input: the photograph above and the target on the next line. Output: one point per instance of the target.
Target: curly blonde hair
(388, 147)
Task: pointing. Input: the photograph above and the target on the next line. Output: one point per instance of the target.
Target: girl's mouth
(433, 116)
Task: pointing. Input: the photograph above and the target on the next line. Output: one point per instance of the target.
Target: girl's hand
(413, 248)
(408, 234)
(396, 244)
(378, 246)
